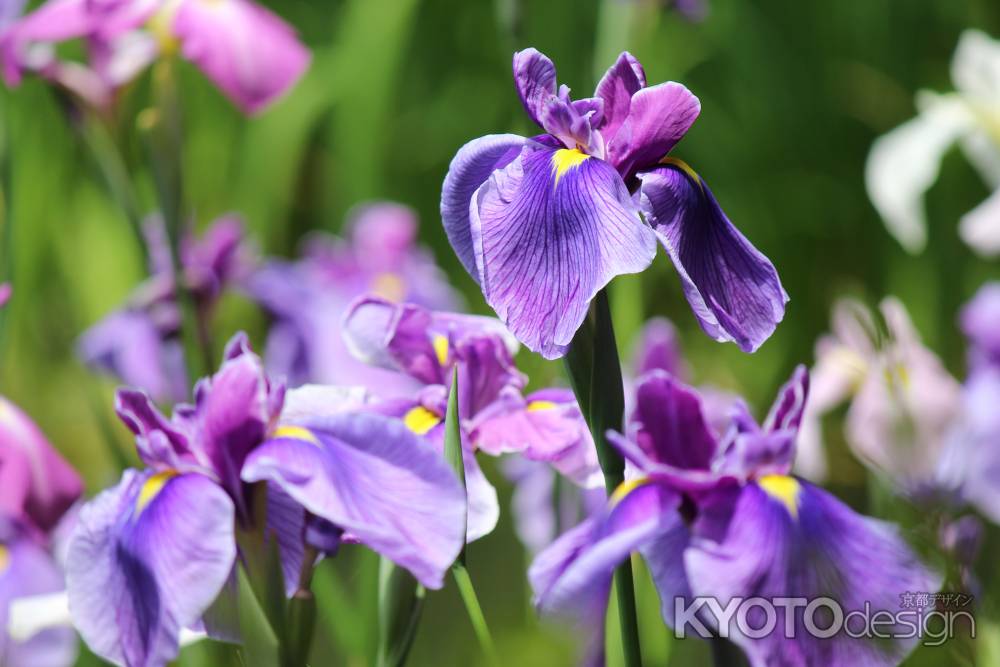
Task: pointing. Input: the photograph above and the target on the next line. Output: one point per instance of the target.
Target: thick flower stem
(596, 375)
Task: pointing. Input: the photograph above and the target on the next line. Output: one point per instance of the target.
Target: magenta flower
(248, 52)
(718, 515)
(543, 224)
(37, 488)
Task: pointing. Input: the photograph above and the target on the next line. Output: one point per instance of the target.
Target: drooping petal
(37, 484)
(27, 570)
(469, 169)
(145, 561)
(535, 80)
(371, 476)
(783, 538)
(573, 575)
(658, 117)
(980, 320)
(249, 53)
(549, 231)
(980, 227)
(622, 80)
(904, 163)
(731, 286)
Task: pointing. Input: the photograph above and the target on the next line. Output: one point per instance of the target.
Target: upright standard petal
(249, 53)
(658, 347)
(469, 169)
(374, 478)
(782, 538)
(622, 80)
(669, 425)
(732, 287)
(145, 561)
(535, 80)
(549, 231)
(657, 119)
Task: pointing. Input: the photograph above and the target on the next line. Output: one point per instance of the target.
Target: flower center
(420, 420)
(565, 159)
(783, 488)
(151, 488)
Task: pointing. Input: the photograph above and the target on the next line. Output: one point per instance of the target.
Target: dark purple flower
(124, 36)
(140, 343)
(718, 515)
(308, 298)
(544, 223)
(149, 556)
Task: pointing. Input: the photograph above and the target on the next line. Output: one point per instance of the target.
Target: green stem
(401, 603)
(726, 654)
(475, 612)
(596, 375)
(161, 128)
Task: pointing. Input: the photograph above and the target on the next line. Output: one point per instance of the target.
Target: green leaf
(401, 601)
(260, 643)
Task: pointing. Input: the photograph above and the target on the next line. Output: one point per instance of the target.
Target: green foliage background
(793, 93)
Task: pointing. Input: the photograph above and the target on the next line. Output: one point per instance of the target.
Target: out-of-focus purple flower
(719, 515)
(140, 343)
(657, 347)
(308, 298)
(980, 320)
(5, 293)
(37, 488)
(543, 224)
(248, 52)
(902, 398)
(149, 556)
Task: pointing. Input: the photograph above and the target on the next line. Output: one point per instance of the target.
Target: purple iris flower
(140, 343)
(543, 224)
(495, 416)
(718, 514)
(248, 52)
(980, 320)
(5, 293)
(308, 298)
(148, 557)
(37, 489)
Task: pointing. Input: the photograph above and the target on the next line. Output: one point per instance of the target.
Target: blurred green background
(793, 94)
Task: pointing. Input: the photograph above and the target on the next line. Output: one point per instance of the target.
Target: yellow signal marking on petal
(151, 488)
(538, 406)
(783, 488)
(565, 159)
(625, 488)
(683, 166)
(295, 433)
(440, 344)
(4, 558)
(161, 25)
(420, 420)
(389, 286)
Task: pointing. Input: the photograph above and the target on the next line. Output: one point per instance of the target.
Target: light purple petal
(146, 560)
(26, 570)
(733, 289)
(469, 169)
(980, 320)
(549, 232)
(249, 53)
(622, 80)
(658, 117)
(535, 80)
(5, 293)
(37, 485)
(54, 21)
(791, 539)
(573, 575)
(378, 481)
